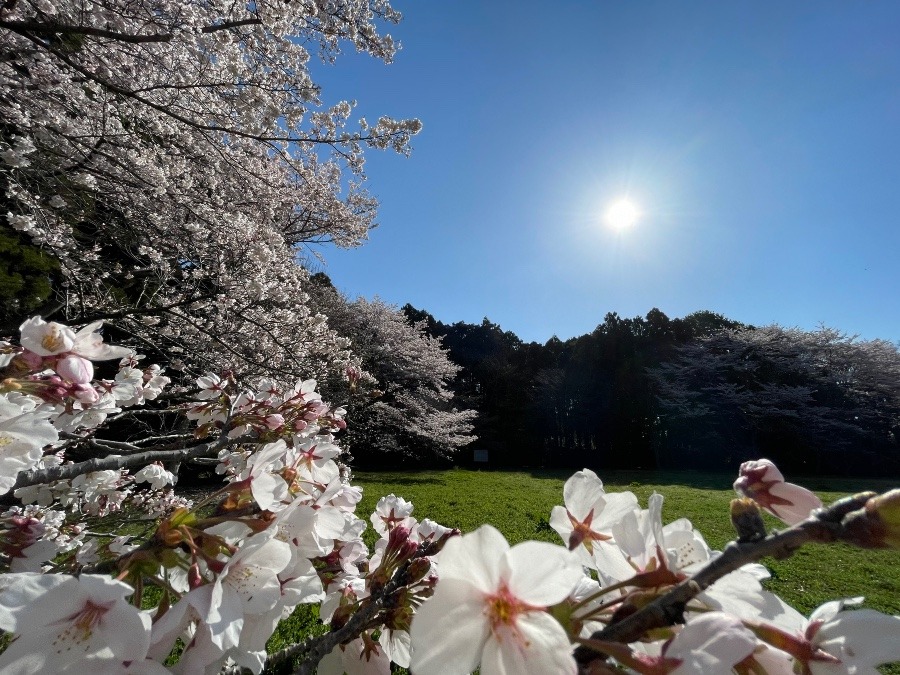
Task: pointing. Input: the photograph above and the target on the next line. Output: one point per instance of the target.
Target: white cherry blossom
(67, 623)
(489, 608)
(589, 513)
(24, 432)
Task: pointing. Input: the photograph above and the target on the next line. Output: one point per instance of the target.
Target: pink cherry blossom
(763, 482)
(489, 608)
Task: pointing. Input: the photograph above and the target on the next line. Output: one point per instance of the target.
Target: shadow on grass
(399, 478)
(720, 481)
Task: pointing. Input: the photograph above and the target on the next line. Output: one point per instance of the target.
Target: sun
(622, 214)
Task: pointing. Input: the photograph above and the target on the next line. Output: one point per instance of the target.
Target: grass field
(519, 504)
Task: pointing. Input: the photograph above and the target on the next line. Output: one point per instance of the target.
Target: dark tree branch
(67, 471)
(52, 28)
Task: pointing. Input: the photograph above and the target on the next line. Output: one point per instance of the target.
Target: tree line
(701, 392)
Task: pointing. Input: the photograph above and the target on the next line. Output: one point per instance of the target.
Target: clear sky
(760, 141)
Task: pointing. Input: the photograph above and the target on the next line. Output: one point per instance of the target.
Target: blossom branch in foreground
(825, 526)
(66, 471)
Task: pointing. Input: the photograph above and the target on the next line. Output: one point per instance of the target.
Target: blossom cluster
(281, 532)
(176, 153)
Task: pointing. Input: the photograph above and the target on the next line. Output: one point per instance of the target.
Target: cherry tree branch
(315, 648)
(825, 526)
(67, 471)
(53, 28)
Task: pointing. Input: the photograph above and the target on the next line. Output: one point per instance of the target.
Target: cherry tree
(399, 400)
(173, 155)
(807, 397)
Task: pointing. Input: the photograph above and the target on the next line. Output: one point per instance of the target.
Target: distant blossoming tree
(400, 401)
(826, 391)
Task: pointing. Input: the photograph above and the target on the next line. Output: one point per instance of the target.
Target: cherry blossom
(24, 432)
(589, 512)
(156, 475)
(362, 656)
(392, 511)
(763, 482)
(67, 623)
(489, 608)
(251, 575)
(833, 640)
(711, 644)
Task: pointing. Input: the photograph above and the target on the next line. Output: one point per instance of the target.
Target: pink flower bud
(761, 481)
(274, 421)
(75, 369)
(33, 361)
(85, 393)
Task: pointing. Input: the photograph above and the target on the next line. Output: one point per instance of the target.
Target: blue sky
(761, 141)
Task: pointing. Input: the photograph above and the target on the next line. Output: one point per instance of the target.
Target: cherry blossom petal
(537, 645)
(711, 644)
(541, 574)
(474, 558)
(800, 502)
(581, 493)
(861, 639)
(449, 630)
(89, 344)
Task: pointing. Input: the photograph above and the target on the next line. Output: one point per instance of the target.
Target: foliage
(25, 275)
(702, 391)
(807, 399)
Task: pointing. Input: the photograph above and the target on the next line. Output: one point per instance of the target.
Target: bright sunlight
(622, 214)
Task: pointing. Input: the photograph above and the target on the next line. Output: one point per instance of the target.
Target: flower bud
(761, 481)
(31, 361)
(273, 422)
(195, 579)
(877, 524)
(75, 369)
(747, 520)
(85, 393)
